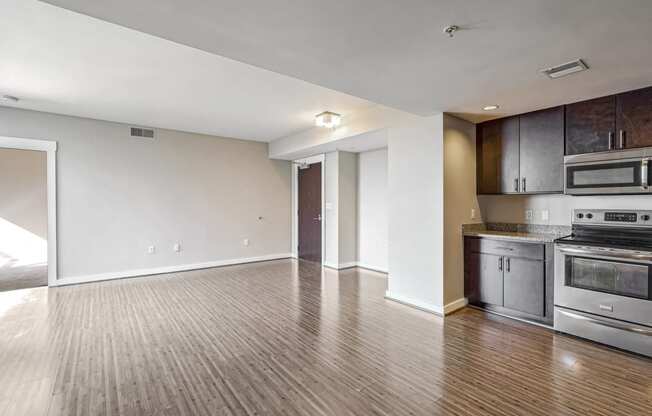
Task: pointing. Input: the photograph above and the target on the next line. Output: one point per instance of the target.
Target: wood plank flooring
(287, 338)
(14, 277)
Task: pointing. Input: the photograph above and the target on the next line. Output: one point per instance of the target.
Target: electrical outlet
(176, 247)
(545, 215)
(245, 242)
(529, 215)
(151, 249)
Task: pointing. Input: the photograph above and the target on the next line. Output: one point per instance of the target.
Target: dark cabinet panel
(498, 156)
(591, 125)
(634, 118)
(542, 151)
(524, 283)
(485, 278)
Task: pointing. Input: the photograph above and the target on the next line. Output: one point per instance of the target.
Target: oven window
(604, 175)
(626, 279)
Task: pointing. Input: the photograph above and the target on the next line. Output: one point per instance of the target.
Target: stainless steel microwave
(614, 172)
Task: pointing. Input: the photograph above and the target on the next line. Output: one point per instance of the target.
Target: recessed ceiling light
(328, 119)
(491, 107)
(565, 69)
(10, 98)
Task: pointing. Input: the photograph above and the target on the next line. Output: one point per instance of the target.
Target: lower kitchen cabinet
(523, 285)
(510, 278)
(489, 289)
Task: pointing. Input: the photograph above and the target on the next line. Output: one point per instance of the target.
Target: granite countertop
(517, 232)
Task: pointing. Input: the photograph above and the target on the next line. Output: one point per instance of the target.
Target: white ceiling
(394, 52)
(63, 62)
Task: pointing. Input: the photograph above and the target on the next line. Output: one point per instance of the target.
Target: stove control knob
(580, 215)
(589, 215)
(645, 217)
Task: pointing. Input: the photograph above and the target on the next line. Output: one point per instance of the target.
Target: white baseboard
(372, 268)
(455, 305)
(348, 265)
(166, 269)
(424, 306)
(427, 307)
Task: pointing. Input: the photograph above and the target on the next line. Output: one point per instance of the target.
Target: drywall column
(331, 217)
(460, 204)
(416, 214)
(340, 189)
(348, 209)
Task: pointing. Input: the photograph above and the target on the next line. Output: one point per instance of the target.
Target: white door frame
(295, 204)
(50, 147)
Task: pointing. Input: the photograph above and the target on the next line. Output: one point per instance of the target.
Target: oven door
(607, 177)
(606, 282)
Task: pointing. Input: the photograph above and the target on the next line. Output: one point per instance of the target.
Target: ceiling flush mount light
(565, 69)
(328, 119)
(491, 107)
(10, 98)
(450, 30)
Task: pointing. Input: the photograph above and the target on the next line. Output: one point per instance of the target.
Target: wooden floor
(286, 338)
(13, 277)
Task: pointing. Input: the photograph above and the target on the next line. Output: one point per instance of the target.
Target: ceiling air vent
(142, 133)
(565, 69)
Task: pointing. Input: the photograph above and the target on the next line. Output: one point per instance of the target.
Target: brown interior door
(310, 215)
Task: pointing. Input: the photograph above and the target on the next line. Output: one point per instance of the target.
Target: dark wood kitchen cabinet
(498, 156)
(524, 285)
(542, 151)
(488, 278)
(634, 118)
(510, 278)
(591, 126)
(521, 154)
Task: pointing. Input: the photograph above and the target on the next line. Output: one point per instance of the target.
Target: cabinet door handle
(644, 174)
(611, 140)
(524, 187)
(623, 139)
(508, 265)
(516, 184)
(500, 264)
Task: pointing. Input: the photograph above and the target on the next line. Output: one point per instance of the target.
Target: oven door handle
(623, 327)
(616, 254)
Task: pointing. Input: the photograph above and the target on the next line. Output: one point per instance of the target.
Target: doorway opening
(27, 213)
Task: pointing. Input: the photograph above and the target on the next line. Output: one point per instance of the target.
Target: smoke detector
(450, 30)
(565, 69)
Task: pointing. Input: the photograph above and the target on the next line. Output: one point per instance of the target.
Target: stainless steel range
(603, 279)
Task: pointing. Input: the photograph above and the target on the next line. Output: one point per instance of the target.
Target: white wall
(348, 209)
(511, 208)
(416, 213)
(117, 195)
(372, 210)
(23, 190)
(459, 200)
(331, 217)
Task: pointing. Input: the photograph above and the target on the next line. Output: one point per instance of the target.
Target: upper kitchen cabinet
(591, 126)
(634, 118)
(521, 154)
(498, 156)
(542, 151)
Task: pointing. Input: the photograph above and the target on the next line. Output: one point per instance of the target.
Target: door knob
(318, 218)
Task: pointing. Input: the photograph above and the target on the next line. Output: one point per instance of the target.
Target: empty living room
(304, 208)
